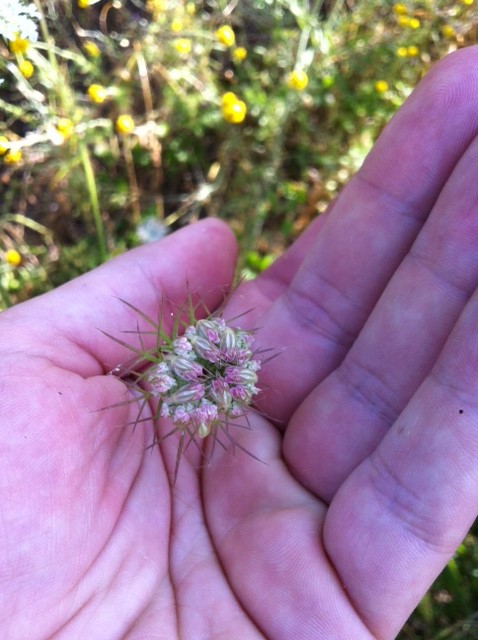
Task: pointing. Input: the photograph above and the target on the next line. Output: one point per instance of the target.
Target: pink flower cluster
(206, 374)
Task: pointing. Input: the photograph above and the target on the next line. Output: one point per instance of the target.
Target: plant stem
(93, 196)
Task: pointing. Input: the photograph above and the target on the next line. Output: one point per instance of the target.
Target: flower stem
(93, 196)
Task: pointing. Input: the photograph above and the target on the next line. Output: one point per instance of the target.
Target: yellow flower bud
(239, 54)
(177, 25)
(402, 52)
(183, 45)
(381, 86)
(124, 124)
(26, 68)
(83, 4)
(65, 127)
(412, 51)
(448, 31)
(91, 49)
(12, 257)
(399, 9)
(14, 156)
(234, 111)
(225, 35)
(297, 80)
(228, 98)
(97, 93)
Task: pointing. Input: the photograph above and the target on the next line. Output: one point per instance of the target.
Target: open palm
(370, 479)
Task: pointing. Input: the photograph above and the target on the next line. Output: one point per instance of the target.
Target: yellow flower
(402, 52)
(232, 108)
(403, 21)
(190, 8)
(183, 45)
(83, 4)
(124, 124)
(26, 68)
(4, 145)
(467, 3)
(228, 98)
(381, 86)
(65, 127)
(297, 80)
(448, 31)
(239, 54)
(414, 23)
(399, 9)
(225, 35)
(412, 51)
(14, 156)
(12, 257)
(19, 45)
(91, 49)
(177, 25)
(97, 93)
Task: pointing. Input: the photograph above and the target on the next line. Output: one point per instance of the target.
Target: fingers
(342, 421)
(370, 230)
(401, 514)
(65, 325)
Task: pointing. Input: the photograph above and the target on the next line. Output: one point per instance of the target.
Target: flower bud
(210, 329)
(240, 375)
(227, 343)
(219, 392)
(185, 368)
(189, 393)
(205, 349)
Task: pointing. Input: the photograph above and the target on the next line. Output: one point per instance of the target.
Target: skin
(369, 478)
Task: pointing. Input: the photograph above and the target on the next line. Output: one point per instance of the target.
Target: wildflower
(13, 156)
(239, 54)
(412, 51)
(467, 3)
(225, 35)
(124, 124)
(402, 52)
(91, 49)
(65, 127)
(400, 9)
(26, 68)
(381, 86)
(190, 8)
(18, 21)
(12, 257)
(97, 93)
(448, 31)
(233, 109)
(177, 25)
(183, 45)
(195, 390)
(83, 4)
(297, 80)
(19, 45)
(414, 23)
(4, 145)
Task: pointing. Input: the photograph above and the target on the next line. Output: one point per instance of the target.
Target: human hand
(370, 481)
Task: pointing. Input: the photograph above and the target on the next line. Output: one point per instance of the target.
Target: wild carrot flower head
(208, 374)
(200, 377)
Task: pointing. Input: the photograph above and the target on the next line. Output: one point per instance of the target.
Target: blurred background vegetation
(122, 120)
